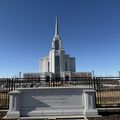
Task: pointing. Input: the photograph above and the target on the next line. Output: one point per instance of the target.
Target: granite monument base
(51, 102)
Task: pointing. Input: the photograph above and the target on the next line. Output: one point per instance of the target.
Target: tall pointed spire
(56, 27)
(57, 43)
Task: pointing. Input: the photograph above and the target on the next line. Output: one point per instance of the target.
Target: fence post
(94, 82)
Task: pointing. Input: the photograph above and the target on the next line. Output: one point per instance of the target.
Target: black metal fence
(107, 88)
(107, 91)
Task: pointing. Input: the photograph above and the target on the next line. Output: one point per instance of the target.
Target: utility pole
(119, 74)
(19, 74)
(92, 73)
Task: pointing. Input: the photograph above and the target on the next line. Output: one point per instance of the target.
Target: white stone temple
(57, 62)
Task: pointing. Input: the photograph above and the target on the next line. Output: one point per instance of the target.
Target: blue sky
(90, 31)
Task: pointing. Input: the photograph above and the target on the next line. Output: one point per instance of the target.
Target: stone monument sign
(51, 101)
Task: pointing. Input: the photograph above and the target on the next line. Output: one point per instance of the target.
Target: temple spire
(56, 43)
(56, 27)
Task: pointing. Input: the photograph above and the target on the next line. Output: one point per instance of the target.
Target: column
(90, 103)
(14, 104)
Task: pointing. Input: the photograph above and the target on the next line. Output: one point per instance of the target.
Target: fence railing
(107, 91)
(107, 88)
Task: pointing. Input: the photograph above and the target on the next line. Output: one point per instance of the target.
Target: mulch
(110, 117)
(107, 117)
(2, 114)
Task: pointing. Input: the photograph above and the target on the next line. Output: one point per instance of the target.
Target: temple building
(57, 62)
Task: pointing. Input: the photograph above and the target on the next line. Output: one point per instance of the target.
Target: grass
(108, 97)
(4, 100)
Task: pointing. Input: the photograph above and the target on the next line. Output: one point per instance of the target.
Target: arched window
(56, 44)
(66, 78)
(65, 66)
(47, 78)
(57, 64)
(48, 66)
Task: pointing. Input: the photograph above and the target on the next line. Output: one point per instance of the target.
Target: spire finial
(56, 26)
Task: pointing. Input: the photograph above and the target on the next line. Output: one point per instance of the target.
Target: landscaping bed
(109, 117)
(106, 115)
